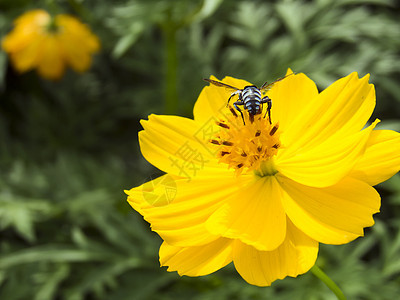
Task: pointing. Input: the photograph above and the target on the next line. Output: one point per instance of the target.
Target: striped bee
(250, 97)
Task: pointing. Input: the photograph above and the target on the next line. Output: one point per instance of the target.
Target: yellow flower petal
(181, 222)
(75, 33)
(79, 60)
(332, 215)
(340, 110)
(255, 216)
(34, 17)
(50, 62)
(24, 43)
(325, 164)
(381, 159)
(289, 97)
(17, 40)
(175, 146)
(27, 58)
(78, 32)
(295, 256)
(197, 261)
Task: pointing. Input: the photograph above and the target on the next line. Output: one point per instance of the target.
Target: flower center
(247, 147)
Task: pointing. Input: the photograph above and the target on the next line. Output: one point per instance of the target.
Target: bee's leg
(267, 100)
(238, 109)
(251, 118)
(233, 94)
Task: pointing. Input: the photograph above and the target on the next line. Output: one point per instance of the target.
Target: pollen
(247, 147)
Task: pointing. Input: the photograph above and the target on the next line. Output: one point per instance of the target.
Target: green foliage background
(69, 148)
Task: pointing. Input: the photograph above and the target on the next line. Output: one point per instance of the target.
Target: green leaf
(53, 253)
(21, 214)
(50, 282)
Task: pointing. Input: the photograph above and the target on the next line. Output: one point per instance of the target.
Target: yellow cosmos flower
(50, 44)
(265, 195)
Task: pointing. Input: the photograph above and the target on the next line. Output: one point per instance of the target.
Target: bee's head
(254, 109)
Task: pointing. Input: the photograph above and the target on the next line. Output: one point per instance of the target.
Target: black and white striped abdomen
(251, 97)
(251, 93)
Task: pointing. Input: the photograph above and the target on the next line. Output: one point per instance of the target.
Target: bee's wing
(266, 86)
(218, 83)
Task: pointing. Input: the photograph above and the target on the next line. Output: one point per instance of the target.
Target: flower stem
(80, 10)
(171, 62)
(52, 8)
(329, 282)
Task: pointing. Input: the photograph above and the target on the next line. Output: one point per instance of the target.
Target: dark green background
(69, 148)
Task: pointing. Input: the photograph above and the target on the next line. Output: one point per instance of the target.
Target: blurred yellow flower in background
(265, 195)
(50, 44)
